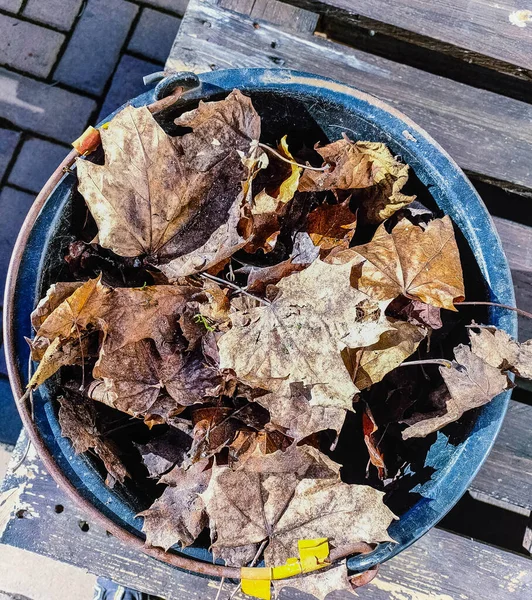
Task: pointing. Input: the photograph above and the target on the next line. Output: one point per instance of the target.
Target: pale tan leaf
(412, 261)
(471, 382)
(299, 337)
(178, 516)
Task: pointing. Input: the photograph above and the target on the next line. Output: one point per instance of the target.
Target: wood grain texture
(440, 566)
(487, 133)
(480, 28)
(505, 479)
(277, 13)
(517, 243)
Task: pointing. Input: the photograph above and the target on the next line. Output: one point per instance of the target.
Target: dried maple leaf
(164, 196)
(164, 452)
(471, 383)
(367, 166)
(418, 263)
(270, 500)
(499, 350)
(178, 516)
(78, 422)
(370, 364)
(135, 375)
(290, 408)
(332, 225)
(244, 504)
(299, 337)
(125, 315)
(56, 294)
(318, 584)
(266, 441)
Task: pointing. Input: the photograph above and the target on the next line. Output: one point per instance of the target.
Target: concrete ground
(64, 65)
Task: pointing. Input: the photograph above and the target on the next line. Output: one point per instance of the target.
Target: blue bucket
(287, 99)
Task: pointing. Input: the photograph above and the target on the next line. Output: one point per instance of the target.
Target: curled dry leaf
(299, 337)
(415, 312)
(331, 226)
(137, 373)
(370, 364)
(411, 261)
(499, 350)
(164, 452)
(124, 315)
(367, 166)
(178, 516)
(78, 423)
(370, 428)
(471, 382)
(165, 196)
(290, 408)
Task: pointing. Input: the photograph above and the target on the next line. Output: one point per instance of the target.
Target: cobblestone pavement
(64, 64)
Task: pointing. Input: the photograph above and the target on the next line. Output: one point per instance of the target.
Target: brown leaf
(163, 453)
(269, 499)
(214, 428)
(78, 422)
(56, 294)
(244, 504)
(299, 337)
(162, 195)
(369, 427)
(318, 584)
(415, 312)
(499, 350)
(178, 516)
(418, 263)
(368, 166)
(260, 278)
(125, 315)
(372, 363)
(266, 441)
(332, 225)
(471, 383)
(135, 375)
(290, 408)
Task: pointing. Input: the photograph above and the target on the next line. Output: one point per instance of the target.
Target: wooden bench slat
(486, 133)
(505, 479)
(277, 13)
(440, 566)
(480, 27)
(517, 243)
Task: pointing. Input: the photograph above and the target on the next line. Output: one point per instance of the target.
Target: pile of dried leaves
(279, 304)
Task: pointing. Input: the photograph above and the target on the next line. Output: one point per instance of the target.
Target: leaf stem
(519, 311)
(292, 162)
(429, 361)
(233, 286)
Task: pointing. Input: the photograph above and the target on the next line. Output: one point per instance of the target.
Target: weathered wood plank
(462, 118)
(505, 479)
(517, 242)
(480, 28)
(277, 13)
(440, 566)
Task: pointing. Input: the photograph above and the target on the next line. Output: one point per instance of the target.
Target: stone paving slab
(45, 109)
(95, 45)
(154, 34)
(8, 143)
(58, 13)
(28, 47)
(11, 5)
(127, 82)
(177, 6)
(36, 161)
